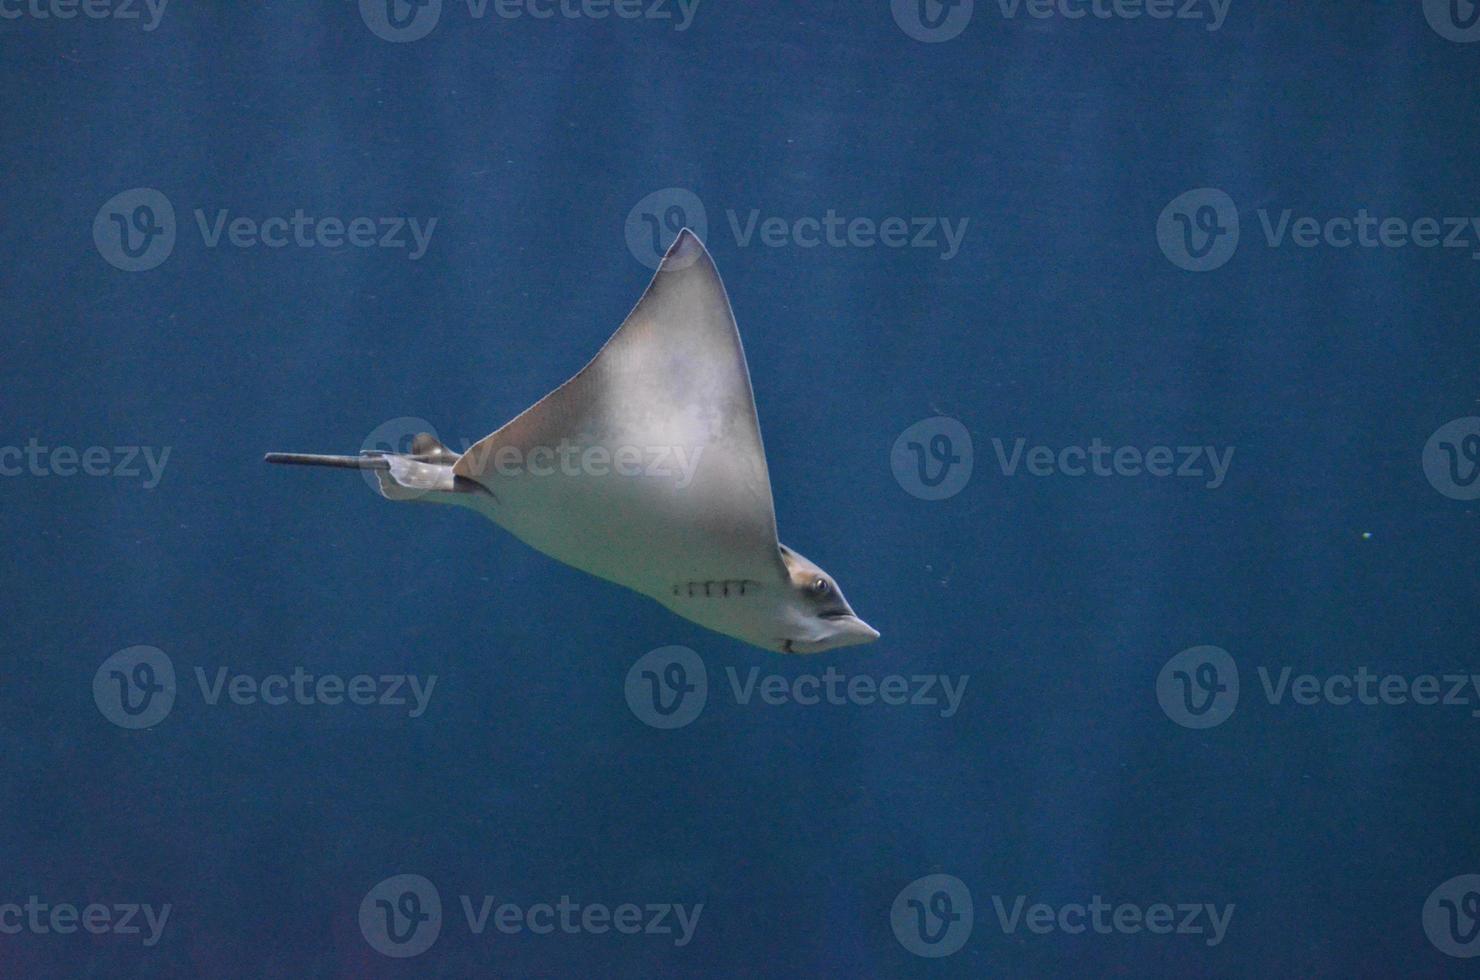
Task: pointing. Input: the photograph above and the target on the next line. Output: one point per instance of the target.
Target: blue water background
(1059, 321)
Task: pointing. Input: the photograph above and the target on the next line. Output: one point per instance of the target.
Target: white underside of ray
(668, 395)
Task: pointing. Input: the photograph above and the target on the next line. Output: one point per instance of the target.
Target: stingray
(645, 469)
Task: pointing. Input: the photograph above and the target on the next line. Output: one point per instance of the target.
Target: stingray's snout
(853, 631)
(842, 630)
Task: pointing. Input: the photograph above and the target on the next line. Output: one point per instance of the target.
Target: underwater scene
(672, 488)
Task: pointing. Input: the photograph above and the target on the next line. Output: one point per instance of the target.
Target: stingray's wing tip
(685, 249)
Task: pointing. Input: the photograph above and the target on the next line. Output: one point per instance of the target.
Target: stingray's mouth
(843, 630)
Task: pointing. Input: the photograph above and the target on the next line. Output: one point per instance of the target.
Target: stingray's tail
(366, 462)
(424, 474)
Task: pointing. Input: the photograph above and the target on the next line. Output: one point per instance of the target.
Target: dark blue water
(1096, 806)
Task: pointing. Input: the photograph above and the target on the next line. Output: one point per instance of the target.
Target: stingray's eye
(819, 587)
